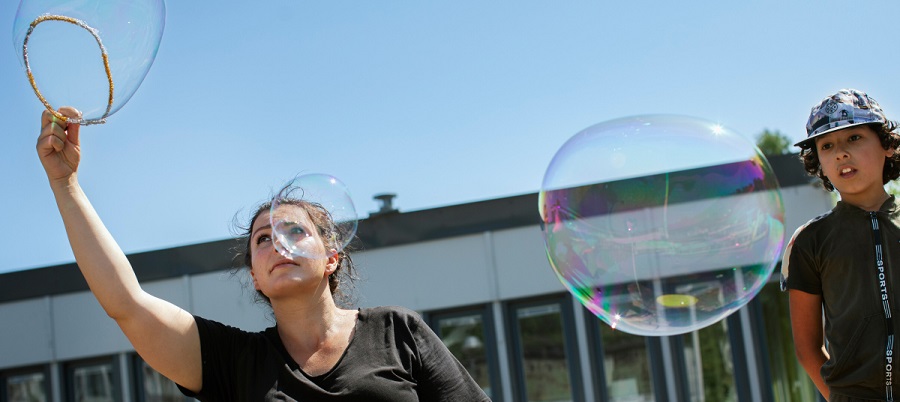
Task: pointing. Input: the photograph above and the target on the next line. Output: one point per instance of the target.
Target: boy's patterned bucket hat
(846, 108)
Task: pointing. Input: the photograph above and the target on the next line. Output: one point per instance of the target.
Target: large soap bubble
(661, 225)
(89, 54)
(297, 212)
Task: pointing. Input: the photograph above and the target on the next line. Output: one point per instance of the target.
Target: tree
(773, 143)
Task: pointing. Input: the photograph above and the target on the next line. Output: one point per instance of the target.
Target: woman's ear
(333, 262)
(253, 277)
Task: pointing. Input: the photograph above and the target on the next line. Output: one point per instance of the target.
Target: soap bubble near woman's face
(661, 225)
(296, 232)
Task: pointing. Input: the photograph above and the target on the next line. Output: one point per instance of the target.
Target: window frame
(138, 393)
(432, 318)
(734, 335)
(596, 351)
(5, 374)
(68, 370)
(565, 303)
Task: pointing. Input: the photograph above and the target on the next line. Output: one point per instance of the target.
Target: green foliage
(773, 143)
(892, 187)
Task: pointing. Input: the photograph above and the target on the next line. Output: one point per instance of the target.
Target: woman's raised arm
(163, 334)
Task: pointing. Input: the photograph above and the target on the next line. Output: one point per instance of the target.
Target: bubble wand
(103, 54)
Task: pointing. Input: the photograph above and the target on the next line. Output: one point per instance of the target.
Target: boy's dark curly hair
(889, 140)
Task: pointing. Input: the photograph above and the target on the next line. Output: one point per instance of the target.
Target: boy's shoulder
(805, 230)
(821, 221)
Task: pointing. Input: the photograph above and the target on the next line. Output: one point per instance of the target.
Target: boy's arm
(806, 324)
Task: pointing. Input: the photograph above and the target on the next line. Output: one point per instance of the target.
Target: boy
(839, 266)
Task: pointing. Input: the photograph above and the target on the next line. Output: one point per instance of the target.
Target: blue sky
(439, 102)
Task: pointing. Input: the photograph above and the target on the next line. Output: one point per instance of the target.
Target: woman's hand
(58, 145)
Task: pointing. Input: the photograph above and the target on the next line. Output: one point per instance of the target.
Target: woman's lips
(282, 264)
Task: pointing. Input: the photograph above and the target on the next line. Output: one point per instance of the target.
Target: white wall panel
(522, 265)
(427, 275)
(82, 329)
(228, 299)
(173, 290)
(25, 337)
(802, 203)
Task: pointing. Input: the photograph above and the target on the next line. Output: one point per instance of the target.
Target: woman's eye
(855, 137)
(262, 238)
(297, 230)
(826, 147)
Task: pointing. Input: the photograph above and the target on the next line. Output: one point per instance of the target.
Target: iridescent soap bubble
(294, 229)
(89, 54)
(661, 225)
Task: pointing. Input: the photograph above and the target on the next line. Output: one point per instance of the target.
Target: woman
(317, 351)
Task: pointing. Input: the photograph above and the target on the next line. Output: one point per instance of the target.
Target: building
(477, 272)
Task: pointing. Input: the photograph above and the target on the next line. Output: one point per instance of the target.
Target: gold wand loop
(103, 54)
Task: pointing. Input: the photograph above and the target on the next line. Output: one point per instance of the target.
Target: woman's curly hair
(889, 140)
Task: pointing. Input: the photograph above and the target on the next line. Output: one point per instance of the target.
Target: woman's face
(272, 272)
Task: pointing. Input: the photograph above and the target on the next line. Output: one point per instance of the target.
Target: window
(545, 360)
(25, 386)
(92, 381)
(710, 364)
(151, 386)
(624, 361)
(789, 380)
(470, 337)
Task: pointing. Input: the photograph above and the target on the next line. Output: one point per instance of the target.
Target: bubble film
(661, 225)
(89, 54)
(296, 215)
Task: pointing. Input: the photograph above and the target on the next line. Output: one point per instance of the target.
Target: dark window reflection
(543, 353)
(465, 337)
(626, 365)
(26, 388)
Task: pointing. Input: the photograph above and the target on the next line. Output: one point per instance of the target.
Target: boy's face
(853, 160)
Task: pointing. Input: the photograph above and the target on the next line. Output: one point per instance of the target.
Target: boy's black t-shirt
(393, 356)
(833, 256)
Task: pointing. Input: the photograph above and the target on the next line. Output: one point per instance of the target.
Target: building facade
(479, 275)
